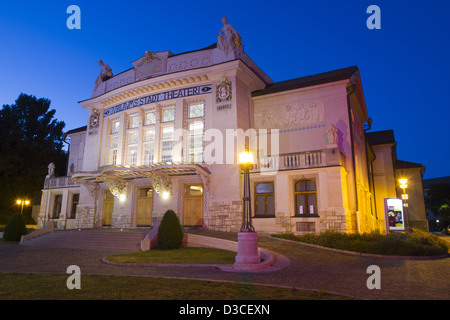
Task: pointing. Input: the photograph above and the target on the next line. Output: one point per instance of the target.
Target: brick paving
(310, 268)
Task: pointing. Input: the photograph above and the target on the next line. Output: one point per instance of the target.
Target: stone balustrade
(299, 160)
(59, 182)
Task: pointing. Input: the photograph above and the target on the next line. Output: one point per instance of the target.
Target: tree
(15, 228)
(438, 201)
(30, 139)
(170, 234)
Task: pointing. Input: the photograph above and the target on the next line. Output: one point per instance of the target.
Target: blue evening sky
(404, 66)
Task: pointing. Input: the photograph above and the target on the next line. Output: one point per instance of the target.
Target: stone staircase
(104, 240)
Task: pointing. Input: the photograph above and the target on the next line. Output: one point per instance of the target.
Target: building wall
(416, 212)
(76, 152)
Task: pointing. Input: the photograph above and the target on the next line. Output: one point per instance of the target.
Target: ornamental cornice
(154, 87)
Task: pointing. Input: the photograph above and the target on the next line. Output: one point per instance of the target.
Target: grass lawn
(188, 255)
(15, 286)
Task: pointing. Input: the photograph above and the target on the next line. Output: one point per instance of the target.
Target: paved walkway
(310, 268)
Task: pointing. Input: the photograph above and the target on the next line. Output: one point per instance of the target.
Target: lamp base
(248, 254)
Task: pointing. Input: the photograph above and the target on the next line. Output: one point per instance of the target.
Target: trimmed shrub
(15, 228)
(170, 234)
(417, 243)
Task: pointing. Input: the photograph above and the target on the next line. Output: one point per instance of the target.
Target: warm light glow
(403, 183)
(19, 201)
(27, 202)
(23, 202)
(165, 195)
(122, 197)
(245, 158)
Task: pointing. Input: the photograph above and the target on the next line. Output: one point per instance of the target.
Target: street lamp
(246, 162)
(404, 185)
(247, 257)
(21, 203)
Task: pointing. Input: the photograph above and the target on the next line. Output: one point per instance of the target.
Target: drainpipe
(351, 90)
(370, 172)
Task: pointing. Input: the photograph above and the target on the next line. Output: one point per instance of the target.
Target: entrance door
(144, 207)
(193, 205)
(108, 205)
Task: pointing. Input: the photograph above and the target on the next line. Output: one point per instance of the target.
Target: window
(149, 146)
(150, 118)
(194, 190)
(195, 141)
(113, 142)
(114, 126)
(196, 110)
(132, 148)
(57, 206)
(113, 150)
(194, 124)
(133, 122)
(305, 198)
(168, 114)
(167, 136)
(264, 199)
(75, 200)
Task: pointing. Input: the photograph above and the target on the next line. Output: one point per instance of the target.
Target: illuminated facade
(166, 134)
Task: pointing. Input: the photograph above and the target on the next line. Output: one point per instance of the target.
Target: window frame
(163, 139)
(73, 205)
(54, 209)
(307, 206)
(191, 156)
(265, 215)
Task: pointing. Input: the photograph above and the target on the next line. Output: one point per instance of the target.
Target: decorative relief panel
(191, 63)
(290, 116)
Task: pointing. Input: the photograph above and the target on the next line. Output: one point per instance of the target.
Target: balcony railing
(300, 160)
(59, 182)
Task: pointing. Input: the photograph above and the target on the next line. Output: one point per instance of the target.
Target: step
(122, 241)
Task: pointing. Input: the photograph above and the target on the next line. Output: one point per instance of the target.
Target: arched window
(305, 198)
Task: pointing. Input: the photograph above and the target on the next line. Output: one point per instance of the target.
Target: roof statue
(228, 39)
(105, 73)
(51, 170)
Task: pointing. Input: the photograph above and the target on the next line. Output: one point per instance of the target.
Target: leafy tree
(438, 200)
(30, 139)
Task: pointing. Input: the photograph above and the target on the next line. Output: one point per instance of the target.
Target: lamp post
(247, 257)
(404, 185)
(21, 203)
(246, 162)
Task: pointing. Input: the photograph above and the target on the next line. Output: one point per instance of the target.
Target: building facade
(166, 134)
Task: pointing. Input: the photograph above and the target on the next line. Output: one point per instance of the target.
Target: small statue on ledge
(105, 73)
(230, 38)
(51, 170)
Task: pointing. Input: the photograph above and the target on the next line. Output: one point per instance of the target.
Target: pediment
(151, 64)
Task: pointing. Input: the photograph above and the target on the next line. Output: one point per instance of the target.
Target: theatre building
(166, 134)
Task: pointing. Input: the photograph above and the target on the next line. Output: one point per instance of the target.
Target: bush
(170, 234)
(417, 243)
(15, 228)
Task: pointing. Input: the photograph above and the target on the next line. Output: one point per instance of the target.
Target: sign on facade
(394, 216)
(169, 95)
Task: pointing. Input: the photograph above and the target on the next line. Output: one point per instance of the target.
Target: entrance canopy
(117, 178)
